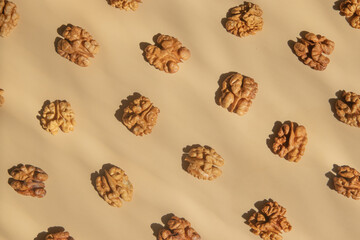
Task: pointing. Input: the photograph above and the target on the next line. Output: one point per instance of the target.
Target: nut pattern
(348, 108)
(125, 4)
(178, 229)
(311, 50)
(2, 99)
(9, 17)
(113, 186)
(351, 10)
(166, 54)
(28, 180)
(290, 142)
(347, 182)
(270, 222)
(140, 116)
(245, 20)
(204, 163)
(59, 236)
(58, 114)
(78, 45)
(237, 93)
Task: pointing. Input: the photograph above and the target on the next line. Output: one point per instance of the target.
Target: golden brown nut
(140, 116)
(2, 99)
(166, 54)
(204, 163)
(347, 182)
(348, 108)
(78, 45)
(290, 142)
(237, 92)
(113, 186)
(28, 180)
(178, 229)
(311, 49)
(59, 236)
(245, 20)
(270, 222)
(125, 4)
(351, 10)
(8, 17)
(58, 114)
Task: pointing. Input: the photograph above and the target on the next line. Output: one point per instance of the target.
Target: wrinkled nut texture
(351, 10)
(2, 99)
(8, 17)
(311, 50)
(140, 116)
(270, 222)
(166, 54)
(348, 109)
(347, 182)
(245, 20)
(204, 163)
(290, 142)
(28, 180)
(114, 186)
(78, 45)
(59, 236)
(125, 4)
(58, 114)
(237, 93)
(178, 229)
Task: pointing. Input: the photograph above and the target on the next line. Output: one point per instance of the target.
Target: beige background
(32, 72)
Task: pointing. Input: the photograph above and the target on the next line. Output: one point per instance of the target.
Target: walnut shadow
(185, 164)
(125, 103)
(222, 78)
(271, 139)
(156, 227)
(330, 175)
(224, 20)
(40, 112)
(101, 172)
(332, 102)
(291, 44)
(51, 230)
(143, 45)
(258, 205)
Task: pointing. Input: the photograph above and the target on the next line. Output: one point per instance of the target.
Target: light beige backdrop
(31, 72)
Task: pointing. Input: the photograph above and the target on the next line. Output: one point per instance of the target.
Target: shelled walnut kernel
(78, 45)
(58, 114)
(347, 182)
(125, 4)
(59, 236)
(311, 50)
(178, 229)
(9, 17)
(28, 180)
(351, 10)
(204, 163)
(237, 93)
(114, 186)
(290, 142)
(166, 53)
(140, 116)
(245, 20)
(348, 108)
(270, 222)
(2, 99)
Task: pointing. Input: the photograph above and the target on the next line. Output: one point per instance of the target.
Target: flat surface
(31, 72)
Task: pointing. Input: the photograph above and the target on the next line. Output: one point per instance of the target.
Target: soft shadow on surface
(38, 117)
(224, 20)
(142, 46)
(258, 205)
(62, 28)
(156, 227)
(185, 164)
(56, 42)
(220, 82)
(124, 103)
(101, 172)
(330, 175)
(336, 5)
(332, 102)
(270, 141)
(42, 235)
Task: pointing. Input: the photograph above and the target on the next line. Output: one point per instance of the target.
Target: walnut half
(166, 54)
(348, 108)
(290, 142)
(204, 163)
(28, 180)
(270, 221)
(237, 93)
(178, 229)
(62, 235)
(114, 186)
(125, 4)
(78, 45)
(347, 182)
(57, 114)
(9, 17)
